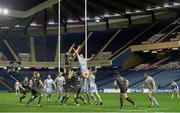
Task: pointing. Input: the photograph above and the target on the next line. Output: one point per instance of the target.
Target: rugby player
(34, 85)
(48, 86)
(122, 84)
(93, 89)
(24, 88)
(175, 89)
(60, 82)
(83, 63)
(17, 87)
(151, 85)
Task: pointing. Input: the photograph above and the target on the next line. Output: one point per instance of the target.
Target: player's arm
(20, 86)
(70, 49)
(75, 51)
(30, 84)
(143, 85)
(41, 83)
(154, 85)
(54, 84)
(64, 81)
(115, 84)
(127, 83)
(91, 58)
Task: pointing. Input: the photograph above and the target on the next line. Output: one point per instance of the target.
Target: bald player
(151, 85)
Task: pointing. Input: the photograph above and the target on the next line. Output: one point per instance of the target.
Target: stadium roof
(26, 13)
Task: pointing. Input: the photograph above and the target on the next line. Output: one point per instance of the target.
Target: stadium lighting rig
(4, 11)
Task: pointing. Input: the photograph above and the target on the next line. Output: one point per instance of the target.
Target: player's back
(92, 80)
(149, 82)
(121, 82)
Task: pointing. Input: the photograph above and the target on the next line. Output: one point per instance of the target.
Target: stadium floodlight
(154, 52)
(174, 48)
(146, 51)
(26, 67)
(5, 11)
(51, 67)
(176, 4)
(138, 11)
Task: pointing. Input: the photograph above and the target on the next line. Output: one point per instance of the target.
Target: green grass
(9, 102)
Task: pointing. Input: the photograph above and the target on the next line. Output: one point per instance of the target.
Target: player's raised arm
(91, 58)
(70, 49)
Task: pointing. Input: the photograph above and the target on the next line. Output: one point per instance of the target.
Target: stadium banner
(135, 91)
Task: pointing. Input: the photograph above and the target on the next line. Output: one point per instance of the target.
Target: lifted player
(123, 84)
(83, 62)
(151, 85)
(48, 86)
(34, 85)
(175, 89)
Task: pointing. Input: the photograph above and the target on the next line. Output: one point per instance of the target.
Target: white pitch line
(72, 107)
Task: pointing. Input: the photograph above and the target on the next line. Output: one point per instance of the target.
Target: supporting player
(123, 84)
(24, 88)
(48, 86)
(175, 89)
(151, 85)
(60, 82)
(17, 87)
(83, 63)
(85, 89)
(68, 61)
(34, 85)
(93, 89)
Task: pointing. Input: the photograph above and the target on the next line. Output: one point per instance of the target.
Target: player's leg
(40, 99)
(49, 95)
(173, 92)
(128, 99)
(121, 101)
(177, 92)
(22, 96)
(60, 95)
(32, 98)
(93, 98)
(99, 98)
(154, 100)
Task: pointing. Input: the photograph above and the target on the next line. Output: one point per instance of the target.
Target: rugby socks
(22, 97)
(65, 100)
(82, 99)
(121, 102)
(155, 101)
(39, 101)
(130, 100)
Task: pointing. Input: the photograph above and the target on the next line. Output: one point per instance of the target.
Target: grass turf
(9, 102)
